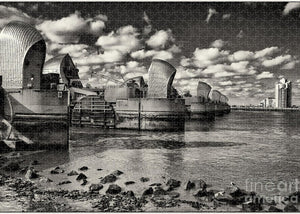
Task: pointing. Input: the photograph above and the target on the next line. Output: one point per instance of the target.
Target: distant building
(283, 94)
(268, 102)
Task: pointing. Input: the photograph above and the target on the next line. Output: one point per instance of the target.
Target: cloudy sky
(241, 49)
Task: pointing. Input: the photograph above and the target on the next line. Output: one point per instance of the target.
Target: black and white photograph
(136, 106)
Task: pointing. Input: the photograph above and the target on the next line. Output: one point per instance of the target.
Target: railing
(93, 111)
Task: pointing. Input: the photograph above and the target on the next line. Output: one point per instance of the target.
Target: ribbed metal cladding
(161, 75)
(16, 38)
(215, 95)
(203, 89)
(54, 64)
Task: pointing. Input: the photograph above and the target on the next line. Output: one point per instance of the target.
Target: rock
(64, 182)
(99, 169)
(84, 168)
(44, 179)
(129, 194)
(108, 179)
(72, 173)
(155, 184)
(54, 171)
(148, 191)
(57, 170)
(12, 166)
(251, 207)
(200, 193)
(95, 187)
(113, 189)
(274, 209)
(174, 194)
(35, 162)
(224, 197)
(31, 174)
(290, 207)
(172, 183)
(190, 185)
(81, 176)
(84, 182)
(144, 179)
(159, 191)
(117, 173)
(129, 183)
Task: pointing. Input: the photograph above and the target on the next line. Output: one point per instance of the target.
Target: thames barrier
(41, 98)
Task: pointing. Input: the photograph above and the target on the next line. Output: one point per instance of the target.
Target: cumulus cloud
(69, 29)
(124, 40)
(219, 43)
(265, 75)
(160, 39)
(74, 50)
(109, 56)
(290, 7)
(211, 12)
(225, 83)
(290, 65)
(241, 56)
(8, 14)
(142, 54)
(266, 52)
(276, 61)
(205, 57)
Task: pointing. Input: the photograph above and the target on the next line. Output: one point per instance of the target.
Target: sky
(241, 49)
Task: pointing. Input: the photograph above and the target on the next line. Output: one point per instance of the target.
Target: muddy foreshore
(26, 189)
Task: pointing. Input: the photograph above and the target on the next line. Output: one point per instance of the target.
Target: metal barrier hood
(161, 75)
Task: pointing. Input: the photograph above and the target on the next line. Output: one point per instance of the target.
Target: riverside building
(283, 94)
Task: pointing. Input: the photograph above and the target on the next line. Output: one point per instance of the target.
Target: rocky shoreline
(29, 189)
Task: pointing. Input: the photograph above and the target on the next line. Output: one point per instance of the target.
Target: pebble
(84, 168)
(144, 179)
(72, 173)
(108, 179)
(129, 183)
(64, 182)
(81, 176)
(113, 189)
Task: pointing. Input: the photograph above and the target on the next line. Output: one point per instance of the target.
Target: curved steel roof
(16, 38)
(215, 95)
(203, 89)
(161, 75)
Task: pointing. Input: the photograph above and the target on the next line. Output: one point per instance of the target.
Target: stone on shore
(129, 193)
(200, 193)
(64, 182)
(144, 179)
(196, 184)
(113, 189)
(155, 184)
(117, 173)
(148, 192)
(108, 179)
(84, 182)
(158, 191)
(274, 209)
(174, 194)
(95, 187)
(72, 173)
(31, 174)
(84, 168)
(129, 183)
(172, 183)
(290, 207)
(81, 176)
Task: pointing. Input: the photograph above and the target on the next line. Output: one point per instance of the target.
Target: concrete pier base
(156, 114)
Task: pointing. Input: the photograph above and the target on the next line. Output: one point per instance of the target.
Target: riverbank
(23, 188)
